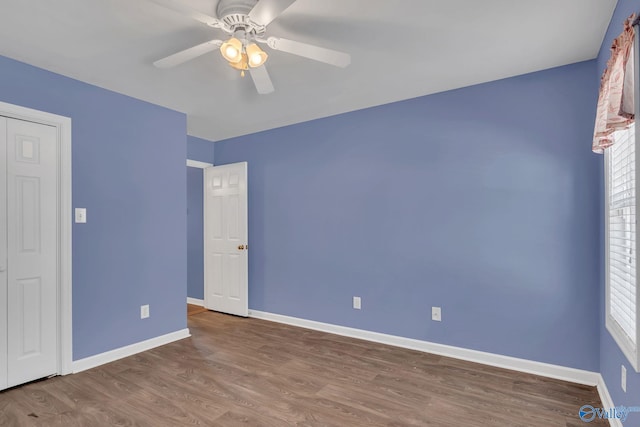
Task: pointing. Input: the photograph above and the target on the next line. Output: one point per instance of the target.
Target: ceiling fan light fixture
(231, 50)
(256, 56)
(241, 65)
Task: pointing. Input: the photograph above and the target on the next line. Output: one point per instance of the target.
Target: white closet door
(32, 241)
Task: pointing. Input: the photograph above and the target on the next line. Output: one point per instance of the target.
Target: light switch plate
(357, 303)
(81, 215)
(144, 311)
(436, 314)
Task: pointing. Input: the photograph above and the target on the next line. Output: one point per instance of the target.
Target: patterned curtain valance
(616, 98)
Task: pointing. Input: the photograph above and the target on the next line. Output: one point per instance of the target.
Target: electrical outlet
(144, 311)
(623, 378)
(357, 303)
(436, 314)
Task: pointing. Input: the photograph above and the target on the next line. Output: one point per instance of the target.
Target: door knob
(241, 247)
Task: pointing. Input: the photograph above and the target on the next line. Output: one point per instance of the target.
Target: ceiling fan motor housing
(235, 14)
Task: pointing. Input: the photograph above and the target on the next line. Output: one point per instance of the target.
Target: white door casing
(32, 239)
(3, 253)
(226, 239)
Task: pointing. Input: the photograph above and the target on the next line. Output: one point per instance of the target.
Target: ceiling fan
(246, 21)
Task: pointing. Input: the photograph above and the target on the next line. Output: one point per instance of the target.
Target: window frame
(628, 349)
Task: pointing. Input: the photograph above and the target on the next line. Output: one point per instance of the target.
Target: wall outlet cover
(81, 215)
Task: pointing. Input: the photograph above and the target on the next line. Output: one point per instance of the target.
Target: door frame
(64, 302)
(202, 166)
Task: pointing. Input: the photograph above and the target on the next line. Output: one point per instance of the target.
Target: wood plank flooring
(249, 372)
(194, 309)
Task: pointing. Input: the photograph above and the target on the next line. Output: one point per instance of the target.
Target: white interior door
(31, 278)
(225, 239)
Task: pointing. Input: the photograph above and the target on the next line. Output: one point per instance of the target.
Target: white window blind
(622, 233)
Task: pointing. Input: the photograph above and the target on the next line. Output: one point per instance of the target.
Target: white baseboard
(130, 350)
(538, 368)
(195, 301)
(607, 401)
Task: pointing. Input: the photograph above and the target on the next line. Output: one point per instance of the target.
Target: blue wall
(201, 150)
(611, 358)
(128, 171)
(479, 200)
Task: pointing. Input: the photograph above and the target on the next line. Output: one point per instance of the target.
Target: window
(621, 242)
(614, 135)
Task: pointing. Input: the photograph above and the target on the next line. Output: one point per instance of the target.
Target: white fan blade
(261, 79)
(328, 56)
(188, 54)
(267, 10)
(180, 7)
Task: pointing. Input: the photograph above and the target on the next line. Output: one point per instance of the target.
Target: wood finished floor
(249, 372)
(194, 309)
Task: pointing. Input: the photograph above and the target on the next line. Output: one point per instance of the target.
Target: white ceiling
(400, 49)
